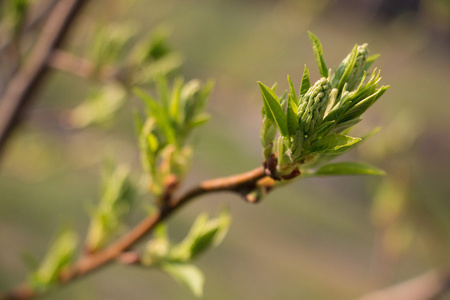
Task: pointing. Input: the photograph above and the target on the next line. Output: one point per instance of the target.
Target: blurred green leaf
(164, 66)
(318, 53)
(14, 16)
(160, 115)
(58, 256)
(99, 107)
(273, 108)
(109, 43)
(203, 234)
(370, 60)
(157, 249)
(116, 201)
(187, 274)
(348, 168)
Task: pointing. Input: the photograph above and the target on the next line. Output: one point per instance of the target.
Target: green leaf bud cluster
(164, 132)
(313, 105)
(310, 126)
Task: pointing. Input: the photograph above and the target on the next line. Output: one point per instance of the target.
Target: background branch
(424, 287)
(26, 81)
(81, 67)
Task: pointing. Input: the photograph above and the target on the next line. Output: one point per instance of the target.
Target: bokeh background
(324, 238)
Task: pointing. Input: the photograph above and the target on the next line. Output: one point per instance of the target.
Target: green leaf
(99, 107)
(370, 60)
(163, 92)
(116, 201)
(292, 121)
(306, 83)
(203, 234)
(292, 91)
(58, 256)
(341, 127)
(348, 68)
(323, 129)
(349, 168)
(199, 120)
(334, 144)
(273, 109)
(318, 53)
(175, 100)
(155, 110)
(187, 274)
(363, 105)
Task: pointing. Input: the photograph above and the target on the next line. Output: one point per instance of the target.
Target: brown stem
(81, 67)
(94, 261)
(25, 82)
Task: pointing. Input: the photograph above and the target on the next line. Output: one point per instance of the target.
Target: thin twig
(25, 82)
(424, 287)
(81, 67)
(94, 261)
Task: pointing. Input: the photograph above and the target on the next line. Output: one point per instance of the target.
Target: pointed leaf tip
(318, 53)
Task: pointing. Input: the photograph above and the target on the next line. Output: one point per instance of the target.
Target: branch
(25, 81)
(94, 261)
(81, 67)
(424, 287)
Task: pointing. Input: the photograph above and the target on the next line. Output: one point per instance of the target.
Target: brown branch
(424, 287)
(25, 82)
(94, 261)
(81, 67)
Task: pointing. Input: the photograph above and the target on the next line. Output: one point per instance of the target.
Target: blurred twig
(427, 286)
(25, 82)
(67, 62)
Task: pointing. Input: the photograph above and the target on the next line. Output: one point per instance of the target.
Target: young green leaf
(175, 100)
(115, 203)
(350, 64)
(333, 144)
(323, 129)
(292, 121)
(348, 168)
(341, 127)
(273, 109)
(161, 116)
(306, 83)
(357, 110)
(187, 274)
(292, 91)
(318, 53)
(370, 60)
(163, 92)
(203, 234)
(58, 256)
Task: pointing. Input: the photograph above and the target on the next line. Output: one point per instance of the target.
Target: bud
(359, 68)
(356, 72)
(313, 105)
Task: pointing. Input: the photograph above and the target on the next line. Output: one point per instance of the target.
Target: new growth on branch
(302, 130)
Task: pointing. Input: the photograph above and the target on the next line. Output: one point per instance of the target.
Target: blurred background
(324, 238)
